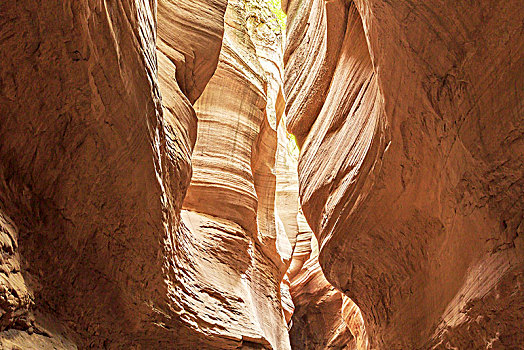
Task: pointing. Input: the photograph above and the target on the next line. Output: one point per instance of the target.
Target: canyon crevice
(209, 175)
(411, 163)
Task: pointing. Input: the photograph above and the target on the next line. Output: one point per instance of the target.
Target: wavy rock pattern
(92, 173)
(287, 208)
(238, 251)
(201, 25)
(409, 119)
(324, 318)
(320, 316)
(411, 164)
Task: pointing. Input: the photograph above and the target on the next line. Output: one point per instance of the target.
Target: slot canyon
(262, 174)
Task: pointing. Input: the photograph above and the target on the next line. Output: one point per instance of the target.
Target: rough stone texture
(318, 321)
(320, 316)
(353, 318)
(237, 250)
(409, 118)
(92, 173)
(411, 163)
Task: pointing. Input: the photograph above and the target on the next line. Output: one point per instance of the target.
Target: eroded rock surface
(411, 163)
(320, 316)
(92, 172)
(323, 318)
(238, 251)
(409, 120)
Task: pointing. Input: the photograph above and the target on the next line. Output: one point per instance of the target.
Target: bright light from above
(276, 8)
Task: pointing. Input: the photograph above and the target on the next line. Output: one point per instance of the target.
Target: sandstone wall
(409, 120)
(237, 250)
(411, 163)
(319, 318)
(92, 172)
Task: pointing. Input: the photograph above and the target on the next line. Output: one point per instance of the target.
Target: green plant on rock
(276, 8)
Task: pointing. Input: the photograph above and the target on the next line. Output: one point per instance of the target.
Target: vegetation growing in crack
(267, 13)
(276, 8)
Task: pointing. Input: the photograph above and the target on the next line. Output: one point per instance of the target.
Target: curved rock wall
(409, 120)
(108, 136)
(92, 172)
(314, 33)
(236, 246)
(200, 24)
(411, 164)
(323, 318)
(320, 316)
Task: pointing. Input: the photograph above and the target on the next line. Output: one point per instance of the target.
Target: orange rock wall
(410, 169)
(93, 170)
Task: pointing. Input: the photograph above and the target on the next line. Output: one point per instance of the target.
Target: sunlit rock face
(92, 171)
(200, 23)
(408, 115)
(410, 169)
(320, 316)
(323, 318)
(237, 249)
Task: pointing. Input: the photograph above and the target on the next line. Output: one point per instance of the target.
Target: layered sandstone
(323, 318)
(411, 163)
(113, 171)
(409, 120)
(319, 316)
(237, 249)
(92, 172)
(190, 36)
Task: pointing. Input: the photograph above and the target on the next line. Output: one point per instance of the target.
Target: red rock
(408, 116)
(411, 166)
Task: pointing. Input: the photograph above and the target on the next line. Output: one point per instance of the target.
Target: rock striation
(323, 318)
(94, 167)
(237, 249)
(151, 197)
(320, 316)
(410, 171)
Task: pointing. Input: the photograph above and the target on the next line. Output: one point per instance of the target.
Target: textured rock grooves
(93, 172)
(231, 276)
(411, 163)
(149, 194)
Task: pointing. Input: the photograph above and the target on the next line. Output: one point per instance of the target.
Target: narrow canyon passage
(261, 174)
